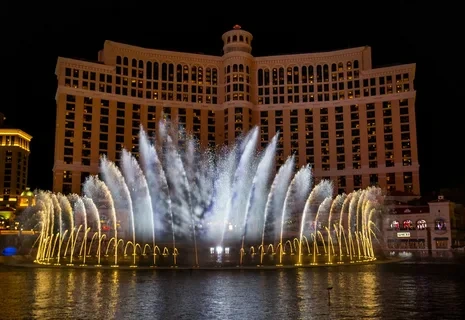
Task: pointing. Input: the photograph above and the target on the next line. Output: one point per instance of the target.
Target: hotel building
(354, 124)
(14, 154)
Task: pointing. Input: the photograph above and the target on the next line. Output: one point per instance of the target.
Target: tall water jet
(80, 211)
(121, 195)
(372, 199)
(48, 216)
(323, 211)
(334, 214)
(43, 214)
(91, 208)
(254, 218)
(140, 196)
(158, 188)
(58, 214)
(97, 190)
(67, 210)
(177, 188)
(223, 178)
(180, 192)
(321, 191)
(351, 220)
(343, 225)
(276, 197)
(296, 196)
(237, 204)
(42, 226)
(199, 173)
(257, 197)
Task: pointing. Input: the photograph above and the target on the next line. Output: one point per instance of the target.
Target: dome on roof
(27, 193)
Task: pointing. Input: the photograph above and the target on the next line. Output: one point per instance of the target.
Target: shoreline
(24, 262)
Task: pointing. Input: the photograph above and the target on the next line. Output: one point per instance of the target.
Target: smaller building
(14, 158)
(420, 227)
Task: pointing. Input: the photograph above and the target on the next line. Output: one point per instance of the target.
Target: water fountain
(178, 205)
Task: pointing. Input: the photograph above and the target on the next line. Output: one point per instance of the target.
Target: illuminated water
(388, 291)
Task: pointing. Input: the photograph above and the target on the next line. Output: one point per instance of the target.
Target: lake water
(378, 291)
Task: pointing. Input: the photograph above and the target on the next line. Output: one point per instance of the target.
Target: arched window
(179, 73)
(310, 74)
(326, 73)
(319, 73)
(185, 74)
(214, 76)
(149, 70)
(304, 74)
(439, 224)
(421, 224)
(260, 77)
(408, 225)
(155, 70)
(395, 225)
(267, 77)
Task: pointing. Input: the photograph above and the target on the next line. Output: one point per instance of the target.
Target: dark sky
(398, 32)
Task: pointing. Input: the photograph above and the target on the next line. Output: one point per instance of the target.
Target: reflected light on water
(302, 295)
(95, 287)
(43, 293)
(71, 282)
(113, 300)
(370, 292)
(285, 292)
(363, 299)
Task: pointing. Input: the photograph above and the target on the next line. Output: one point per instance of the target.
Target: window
(421, 224)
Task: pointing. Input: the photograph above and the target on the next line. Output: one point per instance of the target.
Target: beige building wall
(353, 124)
(419, 228)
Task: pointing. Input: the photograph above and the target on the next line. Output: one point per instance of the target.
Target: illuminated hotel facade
(352, 123)
(14, 157)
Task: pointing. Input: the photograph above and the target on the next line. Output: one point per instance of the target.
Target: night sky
(398, 31)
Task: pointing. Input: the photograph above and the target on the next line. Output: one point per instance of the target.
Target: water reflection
(96, 291)
(44, 292)
(113, 300)
(287, 295)
(368, 294)
(373, 292)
